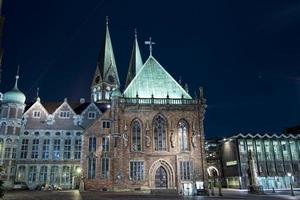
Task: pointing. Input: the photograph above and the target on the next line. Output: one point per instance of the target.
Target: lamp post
(291, 183)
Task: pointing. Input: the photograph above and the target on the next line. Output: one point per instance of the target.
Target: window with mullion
(35, 149)
(137, 170)
(136, 136)
(160, 134)
(183, 135)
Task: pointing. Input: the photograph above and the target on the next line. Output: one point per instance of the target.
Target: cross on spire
(106, 20)
(17, 77)
(150, 43)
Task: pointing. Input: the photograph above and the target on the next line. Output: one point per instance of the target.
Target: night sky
(246, 54)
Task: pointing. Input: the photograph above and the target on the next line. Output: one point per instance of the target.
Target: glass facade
(274, 156)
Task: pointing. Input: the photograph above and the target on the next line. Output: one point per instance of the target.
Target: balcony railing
(159, 101)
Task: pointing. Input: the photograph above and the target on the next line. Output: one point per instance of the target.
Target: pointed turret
(106, 75)
(106, 61)
(136, 61)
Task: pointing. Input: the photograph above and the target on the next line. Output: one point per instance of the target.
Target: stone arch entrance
(161, 175)
(213, 176)
(212, 171)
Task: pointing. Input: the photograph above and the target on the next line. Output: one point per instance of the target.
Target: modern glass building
(276, 156)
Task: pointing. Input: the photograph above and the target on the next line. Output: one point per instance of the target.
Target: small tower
(12, 109)
(106, 75)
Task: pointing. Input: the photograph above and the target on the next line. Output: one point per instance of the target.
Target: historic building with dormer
(148, 137)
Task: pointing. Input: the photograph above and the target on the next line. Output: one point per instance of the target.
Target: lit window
(56, 149)
(64, 114)
(183, 136)
(36, 114)
(92, 115)
(137, 170)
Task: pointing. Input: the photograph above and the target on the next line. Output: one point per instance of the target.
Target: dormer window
(64, 114)
(92, 115)
(106, 124)
(36, 114)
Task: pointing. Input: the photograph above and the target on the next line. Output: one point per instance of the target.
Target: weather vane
(150, 45)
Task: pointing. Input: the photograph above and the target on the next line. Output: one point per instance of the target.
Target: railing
(160, 101)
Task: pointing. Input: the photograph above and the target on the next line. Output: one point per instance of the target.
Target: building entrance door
(161, 178)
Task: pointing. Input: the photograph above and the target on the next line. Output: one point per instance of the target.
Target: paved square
(93, 195)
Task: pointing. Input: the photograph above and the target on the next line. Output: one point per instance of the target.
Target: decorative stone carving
(173, 139)
(194, 140)
(125, 139)
(147, 137)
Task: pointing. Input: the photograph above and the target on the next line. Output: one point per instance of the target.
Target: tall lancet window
(160, 134)
(136, 136)
(183, 135)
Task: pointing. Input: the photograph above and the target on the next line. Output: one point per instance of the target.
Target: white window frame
(92, 115)
(36, 114)
(64, 114)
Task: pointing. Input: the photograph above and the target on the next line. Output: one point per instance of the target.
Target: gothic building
(150, 136)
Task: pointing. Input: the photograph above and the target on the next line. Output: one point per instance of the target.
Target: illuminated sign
(231, 163)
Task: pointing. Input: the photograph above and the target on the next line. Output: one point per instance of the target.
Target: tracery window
(136, 136)
(160, 133)
(183, 135)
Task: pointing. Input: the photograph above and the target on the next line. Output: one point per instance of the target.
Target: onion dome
(14, 95)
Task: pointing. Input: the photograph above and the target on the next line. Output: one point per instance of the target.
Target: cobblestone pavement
(93, 195)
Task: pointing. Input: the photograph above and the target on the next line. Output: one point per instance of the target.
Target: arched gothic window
(136, 136)
(160, 134)
(183, 135)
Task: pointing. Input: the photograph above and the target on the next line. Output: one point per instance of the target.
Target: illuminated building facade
(148, 137)
(275, 157)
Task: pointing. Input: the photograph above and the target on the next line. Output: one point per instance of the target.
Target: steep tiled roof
(154, 80)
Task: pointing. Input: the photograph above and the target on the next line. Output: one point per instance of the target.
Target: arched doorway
(161, 175)
(213, 175)
(161, 178)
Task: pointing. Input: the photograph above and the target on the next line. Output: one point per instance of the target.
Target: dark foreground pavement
(93, 195)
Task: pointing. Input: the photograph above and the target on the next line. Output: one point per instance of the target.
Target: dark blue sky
(246, 54)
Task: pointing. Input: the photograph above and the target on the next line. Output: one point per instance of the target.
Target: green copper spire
(106, 62)
(154, 81)
(136, 61)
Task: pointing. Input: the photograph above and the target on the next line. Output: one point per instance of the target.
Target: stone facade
(148, 137)
(121, 150)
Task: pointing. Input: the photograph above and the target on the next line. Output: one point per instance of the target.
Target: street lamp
(78, 170)
(291, 183)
